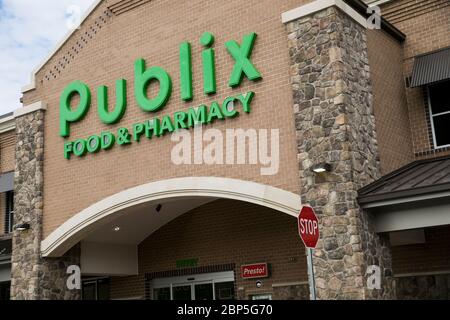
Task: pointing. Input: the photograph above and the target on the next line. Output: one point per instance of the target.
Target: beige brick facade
(389, 101)
(425, 24)
(7, 149)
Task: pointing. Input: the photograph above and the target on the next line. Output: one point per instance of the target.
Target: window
(439, 101)
(96, 289)
(9, 214)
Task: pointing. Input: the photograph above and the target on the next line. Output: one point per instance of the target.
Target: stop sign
(308, 227)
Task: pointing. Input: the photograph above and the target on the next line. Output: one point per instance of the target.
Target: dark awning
(423, 177)
(430, 68)
(7, 182)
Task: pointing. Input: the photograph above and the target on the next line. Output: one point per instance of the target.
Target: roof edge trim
(386, 26)
(7, 123)
(320, 5)
(39, 105)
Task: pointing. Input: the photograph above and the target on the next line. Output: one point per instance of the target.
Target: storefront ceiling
(139, 222)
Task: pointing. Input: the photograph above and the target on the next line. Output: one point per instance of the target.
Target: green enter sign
(187, 263)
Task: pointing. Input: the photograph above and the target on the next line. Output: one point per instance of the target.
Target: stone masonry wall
(291, 292)
(33, 277)
(28, 206)
(335, 124)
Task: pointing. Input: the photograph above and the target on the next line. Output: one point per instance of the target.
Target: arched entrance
(120, 236)
(193, 190)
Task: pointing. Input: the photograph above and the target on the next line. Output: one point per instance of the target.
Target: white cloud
(29, 30)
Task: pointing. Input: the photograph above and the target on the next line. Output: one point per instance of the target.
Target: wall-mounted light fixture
(22, 227)
(321, 168)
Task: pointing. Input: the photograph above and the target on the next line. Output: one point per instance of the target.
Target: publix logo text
(158, 127)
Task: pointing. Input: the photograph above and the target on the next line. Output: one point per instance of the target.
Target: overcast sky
(29, 30)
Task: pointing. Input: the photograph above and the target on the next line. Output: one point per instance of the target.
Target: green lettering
(79, 148)
(196, 116)
(107, 140)
(138, 130)
(123, 136)
(179, 119)
(68, 147)
(246, 100)
(142, 80)
(209, 68)
(152, 128)
(93, 144)
(66, 114)
(121, 103)
(166, 126)
(241, 55)
(214, 113)
(186, 71)
(228, 108)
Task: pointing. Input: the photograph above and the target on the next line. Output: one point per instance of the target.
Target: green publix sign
(158, 127)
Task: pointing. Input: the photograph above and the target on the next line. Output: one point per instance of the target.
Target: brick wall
(7, 153)
(432, 256)
(224, 232)
(425, 23)
(389, 101)
(127, 287)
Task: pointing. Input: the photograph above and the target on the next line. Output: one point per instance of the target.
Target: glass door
(213, 286)
(204, 291)
(95, 289)
(4, 291)
(183, 292)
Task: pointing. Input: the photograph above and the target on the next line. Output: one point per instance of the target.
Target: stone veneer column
(34, 277)
(335, 124)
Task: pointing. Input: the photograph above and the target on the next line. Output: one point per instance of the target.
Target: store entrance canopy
(431, 68)
(415, 196)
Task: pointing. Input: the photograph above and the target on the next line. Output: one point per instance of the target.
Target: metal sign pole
(312, 283)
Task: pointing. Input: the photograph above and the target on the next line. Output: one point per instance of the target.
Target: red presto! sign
(258, 270)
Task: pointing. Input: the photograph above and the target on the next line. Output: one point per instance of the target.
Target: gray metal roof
(418, 178)
(430, 68)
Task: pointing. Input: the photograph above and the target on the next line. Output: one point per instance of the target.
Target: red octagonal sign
(308, 227)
